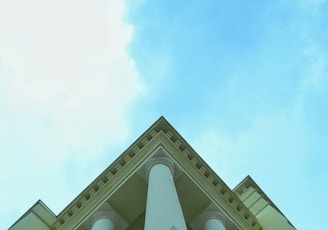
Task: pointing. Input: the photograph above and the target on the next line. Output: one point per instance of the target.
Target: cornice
(208, 180)
(105, 182)
(248, 182)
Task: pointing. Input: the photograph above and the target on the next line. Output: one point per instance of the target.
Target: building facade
(160, 183)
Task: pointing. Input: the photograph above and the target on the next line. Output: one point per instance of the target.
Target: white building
(160, 183)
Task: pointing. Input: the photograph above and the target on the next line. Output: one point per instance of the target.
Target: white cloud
(268, 146)
(312, 6)
(65, 83)
(315, 73)
(215, 149)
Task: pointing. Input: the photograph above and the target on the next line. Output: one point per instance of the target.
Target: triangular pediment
(123, 187)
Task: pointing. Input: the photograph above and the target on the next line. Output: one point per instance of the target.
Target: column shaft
(163, 210)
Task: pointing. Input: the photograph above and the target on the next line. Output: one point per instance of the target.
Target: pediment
(123, 187)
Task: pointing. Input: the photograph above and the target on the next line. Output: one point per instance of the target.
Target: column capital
(107, 212)
(210, 212)
(159, 157)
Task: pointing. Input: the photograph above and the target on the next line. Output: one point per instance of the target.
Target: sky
(245, 83)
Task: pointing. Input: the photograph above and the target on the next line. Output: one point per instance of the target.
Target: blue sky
(246, 84)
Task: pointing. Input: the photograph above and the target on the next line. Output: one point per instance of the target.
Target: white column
(106, 218)
(163, 210)
(210, 219)
(214, 224)
(102, 221)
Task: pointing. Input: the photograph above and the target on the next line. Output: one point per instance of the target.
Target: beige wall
(268, 217)
(271, 219)
(37, 217)
(30, 221)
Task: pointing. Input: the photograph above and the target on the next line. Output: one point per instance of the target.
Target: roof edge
(39, 202)
(249, 181)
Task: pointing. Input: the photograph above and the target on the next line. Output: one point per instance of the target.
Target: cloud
(66, 81)
(312, 5)
(314, 77)
(283, 146)
(260, 147)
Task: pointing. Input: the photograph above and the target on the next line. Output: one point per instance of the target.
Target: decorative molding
(107, 212)
(210, 212)
(159, 156)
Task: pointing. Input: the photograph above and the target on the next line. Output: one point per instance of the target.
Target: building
(161, 183)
